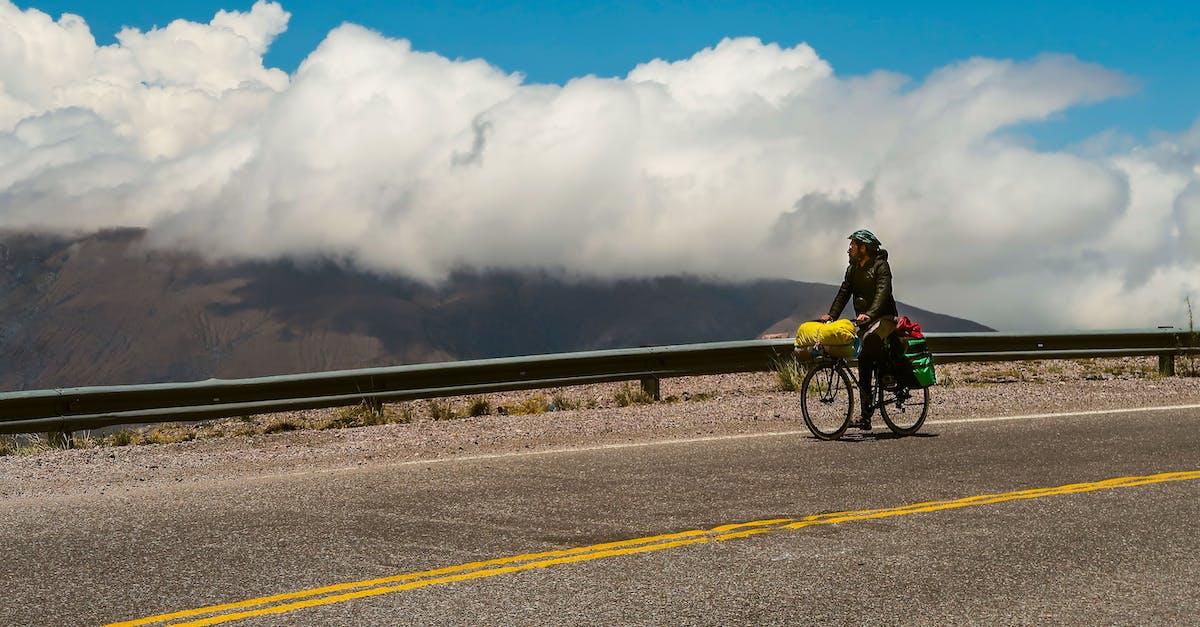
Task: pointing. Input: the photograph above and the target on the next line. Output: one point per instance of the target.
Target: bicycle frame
(911, 405)
(899, 419)
(878, 392)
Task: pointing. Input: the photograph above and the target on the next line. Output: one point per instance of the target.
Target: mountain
(105, 309)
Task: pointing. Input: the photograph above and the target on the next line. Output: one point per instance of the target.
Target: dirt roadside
(698, 407)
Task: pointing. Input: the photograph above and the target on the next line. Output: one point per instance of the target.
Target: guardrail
(70, 409)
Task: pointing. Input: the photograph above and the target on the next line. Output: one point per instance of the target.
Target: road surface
(1079, 518)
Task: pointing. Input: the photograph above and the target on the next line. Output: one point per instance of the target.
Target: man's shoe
(862, 423)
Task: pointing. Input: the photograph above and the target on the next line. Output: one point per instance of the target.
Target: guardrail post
(652, 387)
(1166, 365)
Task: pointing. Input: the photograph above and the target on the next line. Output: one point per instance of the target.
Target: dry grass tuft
(124, 437)
(789, 374)
(536, 404)
(479, 406)
(282, 426)
(364, 414)
(630, 395)
(170, 434)
(442, 410)
(562, 402)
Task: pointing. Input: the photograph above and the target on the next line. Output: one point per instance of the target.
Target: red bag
(908, 328)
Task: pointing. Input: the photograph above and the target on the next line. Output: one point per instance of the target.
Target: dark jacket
(871, 286)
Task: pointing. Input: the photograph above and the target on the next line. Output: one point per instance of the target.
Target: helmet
(864, 236)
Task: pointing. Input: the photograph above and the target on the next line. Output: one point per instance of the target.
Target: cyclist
(869, 280)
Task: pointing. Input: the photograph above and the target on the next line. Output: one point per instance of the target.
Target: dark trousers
(872, 357)
(869, 358)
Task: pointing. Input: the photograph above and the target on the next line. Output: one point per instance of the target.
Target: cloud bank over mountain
(746, 160)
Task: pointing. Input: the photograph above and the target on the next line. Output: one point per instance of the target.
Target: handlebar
(857, 324)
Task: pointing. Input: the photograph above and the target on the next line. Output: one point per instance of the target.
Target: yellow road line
(292, 601)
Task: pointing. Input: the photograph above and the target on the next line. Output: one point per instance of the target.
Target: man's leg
(868, 359)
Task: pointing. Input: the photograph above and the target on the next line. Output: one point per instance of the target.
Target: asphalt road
(1097, 553)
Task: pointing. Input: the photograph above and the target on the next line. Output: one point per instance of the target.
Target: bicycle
(827, 397)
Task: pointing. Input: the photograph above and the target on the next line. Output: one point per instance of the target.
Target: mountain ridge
(104, 309)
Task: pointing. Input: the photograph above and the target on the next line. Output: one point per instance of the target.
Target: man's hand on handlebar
(862, 319)
(825, 318)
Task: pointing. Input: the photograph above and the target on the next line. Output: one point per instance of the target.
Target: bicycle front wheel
(906, 414)
(826, 401)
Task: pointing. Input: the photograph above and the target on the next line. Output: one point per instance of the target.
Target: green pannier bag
(920, 361)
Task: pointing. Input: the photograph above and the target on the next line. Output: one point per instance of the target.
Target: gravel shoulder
(697, 407)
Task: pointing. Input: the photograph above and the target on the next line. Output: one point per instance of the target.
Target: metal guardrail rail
(71, 409)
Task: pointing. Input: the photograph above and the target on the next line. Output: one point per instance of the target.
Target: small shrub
(441, 410)
(479, 407)
(281, 426)
(36, 444)
(536, 404)
(632, 395)
(124, 437)
(362, 415)
(8, 445)
(564, 403)
(168, 435)
(210, 433)
(84, 440)
(341, 421)
(404, 414)
(60, 440)
(369, 416)
(789, 374)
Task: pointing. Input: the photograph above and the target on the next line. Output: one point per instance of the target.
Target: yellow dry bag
(808, 333)
(839, 333)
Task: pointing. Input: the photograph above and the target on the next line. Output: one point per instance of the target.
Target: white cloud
(744, 160)
(166, 91)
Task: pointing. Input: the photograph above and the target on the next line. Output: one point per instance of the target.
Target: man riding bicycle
(869, 280)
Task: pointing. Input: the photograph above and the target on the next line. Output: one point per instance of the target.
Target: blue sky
(1157, 44)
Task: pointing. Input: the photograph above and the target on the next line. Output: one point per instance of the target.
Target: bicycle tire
(827, 400)
(903, 419)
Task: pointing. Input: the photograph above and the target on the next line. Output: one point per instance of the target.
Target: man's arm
(839, 301)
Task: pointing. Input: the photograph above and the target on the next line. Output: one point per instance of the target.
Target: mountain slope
(104, 309)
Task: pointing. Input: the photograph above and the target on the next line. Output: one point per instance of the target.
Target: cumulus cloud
(745, 160)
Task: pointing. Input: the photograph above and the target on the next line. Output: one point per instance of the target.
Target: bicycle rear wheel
(906, 413)
(826, 401)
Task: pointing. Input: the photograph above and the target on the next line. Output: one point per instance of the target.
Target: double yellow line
(292, 601)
